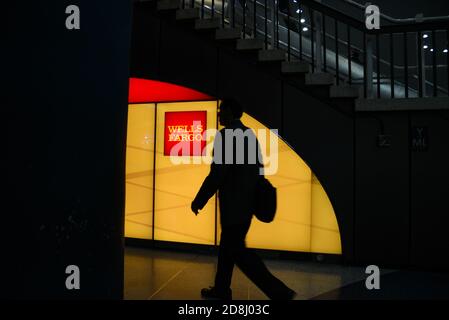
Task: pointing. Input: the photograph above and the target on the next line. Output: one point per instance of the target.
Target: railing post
(421, 65)
(228, 12)
(369, 66)
(422, 62)
(319, 55)
(273, 23)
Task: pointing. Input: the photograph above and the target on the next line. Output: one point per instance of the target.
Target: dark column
(382, 189)
(65, 115)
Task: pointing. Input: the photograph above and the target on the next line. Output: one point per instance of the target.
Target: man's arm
(215, 178)
(209, 186)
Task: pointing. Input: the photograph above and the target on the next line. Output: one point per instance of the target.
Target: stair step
(292, 67)
(249, 44)
(271, 55)
(168, 5)
(319, 79)
(188, 14)
(344, 91)
(207, 24)
(228, 34)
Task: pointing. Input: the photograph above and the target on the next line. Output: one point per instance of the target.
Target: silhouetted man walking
(234, 173)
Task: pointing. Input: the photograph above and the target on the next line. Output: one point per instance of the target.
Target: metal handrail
(418, 18)
(411, 82)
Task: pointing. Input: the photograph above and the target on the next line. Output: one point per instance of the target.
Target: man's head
(230, 110)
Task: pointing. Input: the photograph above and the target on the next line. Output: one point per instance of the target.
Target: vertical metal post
(369, 66)
(421, 67)
(266, 24)
(337, 60)
(319, 55)
(312, 44)
(324, 44)
(255, 17)
(434, 63)
(349, 55)
(223, 13)
(378, 65)
(447, 59)
(244, 18)
(300, 34)
(288, 33)
(276, 9)
(405, 65)
(233, 13)
(392, 65)
(272, 31)
(202, 9)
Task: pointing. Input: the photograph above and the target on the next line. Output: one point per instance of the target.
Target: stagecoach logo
(185, 131)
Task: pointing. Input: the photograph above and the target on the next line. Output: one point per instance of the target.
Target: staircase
(336, 69)
(321, 85)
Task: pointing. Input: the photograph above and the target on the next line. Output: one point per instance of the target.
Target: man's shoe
(288, 294)
(213, 293)
(291, 295)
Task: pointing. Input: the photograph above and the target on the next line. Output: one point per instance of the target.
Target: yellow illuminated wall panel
(325, 233)
(177, 185)
(291, 228)
(139, 171)
(305, 220)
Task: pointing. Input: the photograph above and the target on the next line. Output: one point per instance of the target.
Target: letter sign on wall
(420, 139)
(183, 133)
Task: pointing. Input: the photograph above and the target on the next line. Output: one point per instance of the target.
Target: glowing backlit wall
(176, 186)
(139, 171)
(305, 218)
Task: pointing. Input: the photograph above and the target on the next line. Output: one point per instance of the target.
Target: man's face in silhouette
(225, 116)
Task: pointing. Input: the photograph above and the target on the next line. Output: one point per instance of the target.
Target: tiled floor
(171, 275)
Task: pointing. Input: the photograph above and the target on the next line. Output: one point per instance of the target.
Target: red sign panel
(183, 133)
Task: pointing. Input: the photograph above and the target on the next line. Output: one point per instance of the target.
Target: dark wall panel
(430, 193)
(64, 109)
(187, 58)
(382, 190)
(260, 93)
(323, 138)
(145, 41)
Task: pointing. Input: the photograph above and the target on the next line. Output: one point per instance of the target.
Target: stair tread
(187, 14)
(228, 34)
(249, 44)
(291, 67)
(204, 24)
(345, 91)
(168, 5)
(271, 55)
(320, 78)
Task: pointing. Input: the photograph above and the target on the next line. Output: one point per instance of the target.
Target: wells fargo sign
(183, 133)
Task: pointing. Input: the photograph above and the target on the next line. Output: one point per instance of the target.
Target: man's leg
(253, 267)
(225, 265)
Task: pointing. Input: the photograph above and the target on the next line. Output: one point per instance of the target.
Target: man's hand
(194, 208)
